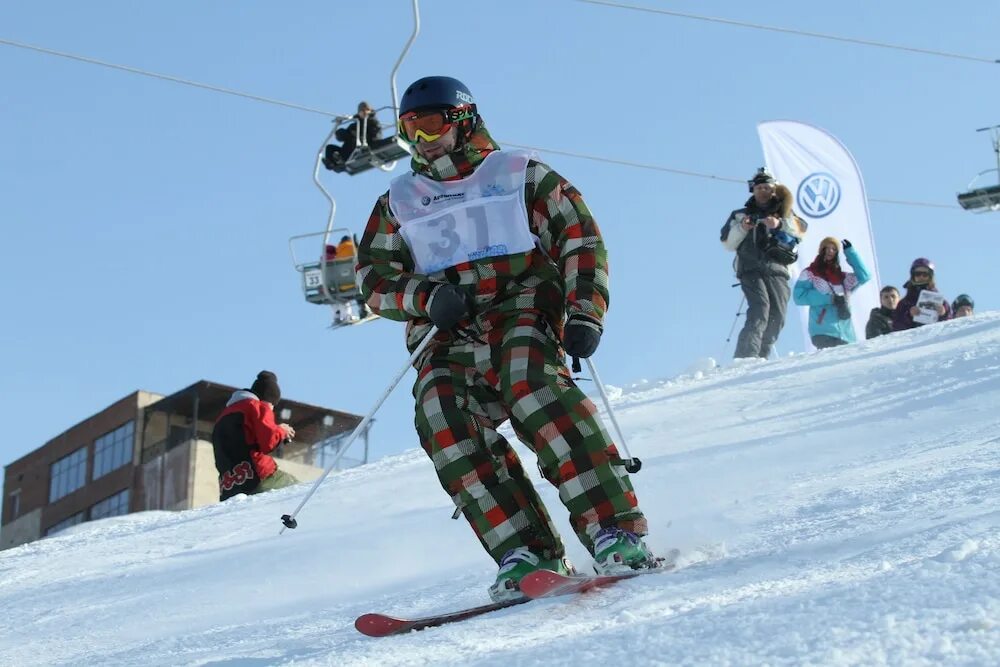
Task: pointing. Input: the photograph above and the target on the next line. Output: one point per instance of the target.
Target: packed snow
(833, 508)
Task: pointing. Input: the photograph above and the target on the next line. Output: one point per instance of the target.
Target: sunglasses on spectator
(921, 274)
(431, 125)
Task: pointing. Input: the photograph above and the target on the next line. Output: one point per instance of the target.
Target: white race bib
(450, 222)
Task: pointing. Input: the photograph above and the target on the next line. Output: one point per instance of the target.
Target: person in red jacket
(244, 434)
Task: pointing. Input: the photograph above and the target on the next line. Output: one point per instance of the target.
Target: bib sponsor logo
(489, 251)
(494, 190)
(427, 200)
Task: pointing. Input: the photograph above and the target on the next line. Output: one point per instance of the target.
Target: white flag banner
(830, 196)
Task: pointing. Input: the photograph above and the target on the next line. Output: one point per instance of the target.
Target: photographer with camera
(764, 235)
(826, 288)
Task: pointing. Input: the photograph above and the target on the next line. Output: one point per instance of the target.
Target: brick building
(151, 452)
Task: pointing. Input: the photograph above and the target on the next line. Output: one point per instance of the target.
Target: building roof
(312, 423)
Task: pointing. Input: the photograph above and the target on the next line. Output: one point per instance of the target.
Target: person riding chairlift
(335, 156)
(346, 249)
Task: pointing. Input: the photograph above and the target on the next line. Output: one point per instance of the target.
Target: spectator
(506, 309)
(880, 319)
(826, 289)
(335, 157)
(963, 306)
(921, 278)
(763, 234)
(244, 434)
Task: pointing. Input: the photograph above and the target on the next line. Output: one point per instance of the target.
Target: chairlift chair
(329, 280)
(987, 198)
(383, 153)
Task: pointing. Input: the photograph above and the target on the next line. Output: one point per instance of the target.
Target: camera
(843, 310)
(779, 246)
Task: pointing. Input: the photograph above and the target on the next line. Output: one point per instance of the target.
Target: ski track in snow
(838, 508)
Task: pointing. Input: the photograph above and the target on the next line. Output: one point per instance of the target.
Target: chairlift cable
(793, 31)
(695, 174)
(266, 100)
(166, 77)
(627, 163)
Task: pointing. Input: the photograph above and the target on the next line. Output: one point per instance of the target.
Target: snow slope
(837, 508)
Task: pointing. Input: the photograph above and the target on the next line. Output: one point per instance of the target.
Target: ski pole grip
(577, 368)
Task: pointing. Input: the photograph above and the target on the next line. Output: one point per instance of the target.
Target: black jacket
(373, 130)
(879, 322)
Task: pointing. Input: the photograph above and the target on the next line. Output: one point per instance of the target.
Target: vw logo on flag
(818, 194)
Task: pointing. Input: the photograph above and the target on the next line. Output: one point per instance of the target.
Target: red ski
(381, 625)
(547, 584)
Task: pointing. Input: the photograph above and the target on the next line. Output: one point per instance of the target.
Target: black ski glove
(847, 244)
(449, 305)
(581, 337)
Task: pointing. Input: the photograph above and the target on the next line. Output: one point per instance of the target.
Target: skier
(501, 254)
(826, 288)
(763, 234)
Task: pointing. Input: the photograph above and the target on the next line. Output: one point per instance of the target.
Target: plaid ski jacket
(566, 274)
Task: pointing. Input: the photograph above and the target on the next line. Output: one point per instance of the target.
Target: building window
(113, 450)
(15, 504)
(67, 474)
(115, 505)
(64, 524)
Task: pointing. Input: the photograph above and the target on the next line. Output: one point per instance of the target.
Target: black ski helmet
(963, 300)
(762, 176)
(435, 92)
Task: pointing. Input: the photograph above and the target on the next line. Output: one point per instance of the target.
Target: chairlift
(987, 198)
(382, 153)
(329, 279)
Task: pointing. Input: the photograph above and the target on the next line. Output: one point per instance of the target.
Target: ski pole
(737, 318)
(631, 464)
(289, 519)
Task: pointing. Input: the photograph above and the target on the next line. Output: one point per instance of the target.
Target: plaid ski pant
(465, 390)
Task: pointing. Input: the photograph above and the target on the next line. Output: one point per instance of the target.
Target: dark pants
(349, 140)
(822, 342)
(767, 302)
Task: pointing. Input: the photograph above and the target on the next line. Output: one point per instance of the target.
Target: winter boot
(518, 562)
(617, 550)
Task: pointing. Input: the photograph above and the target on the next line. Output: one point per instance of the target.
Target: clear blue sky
(145, 223)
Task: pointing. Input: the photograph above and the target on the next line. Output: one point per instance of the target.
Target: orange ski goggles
(430, 125)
